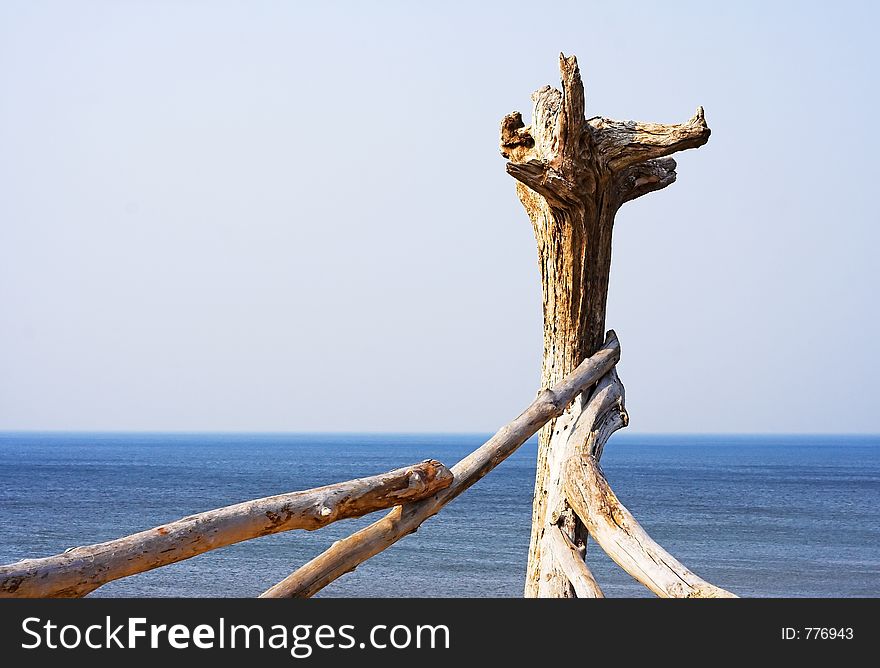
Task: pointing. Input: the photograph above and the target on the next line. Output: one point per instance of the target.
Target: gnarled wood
(81, 570)
(646, 177)
(347, 554)
(627, 143)
(573, 174)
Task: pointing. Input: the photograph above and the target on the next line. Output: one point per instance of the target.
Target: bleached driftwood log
(347, 554)
(81, 570)
(573, 175)
(571, 561)
(614, 528)
(608, 521)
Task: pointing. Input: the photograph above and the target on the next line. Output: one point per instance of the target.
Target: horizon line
(318, 432)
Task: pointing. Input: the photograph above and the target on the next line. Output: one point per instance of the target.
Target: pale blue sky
(291, 216)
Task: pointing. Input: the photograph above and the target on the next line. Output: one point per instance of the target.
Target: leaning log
(571, 561)
(608, 521)
(81, 570)
(614, 528)
(347, 554)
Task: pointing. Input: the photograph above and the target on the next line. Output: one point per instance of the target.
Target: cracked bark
(573, 174)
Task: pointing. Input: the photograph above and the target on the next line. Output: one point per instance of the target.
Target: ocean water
(759, 515)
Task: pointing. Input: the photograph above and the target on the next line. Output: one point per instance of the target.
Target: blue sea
(759, 515)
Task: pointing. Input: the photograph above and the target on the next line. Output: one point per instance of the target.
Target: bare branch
(515, 136)
(610, 524)
(571, 561)
(544, 180)
(347, 554)
(646, 177)
(549, 156)
(623, 144)
(571, 117)
(603, 415)
(77, 572)
(625, 541)
(546, 105)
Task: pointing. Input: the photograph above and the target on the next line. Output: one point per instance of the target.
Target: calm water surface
(760, 515)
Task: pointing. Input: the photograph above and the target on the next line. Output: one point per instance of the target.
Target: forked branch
(546, 181)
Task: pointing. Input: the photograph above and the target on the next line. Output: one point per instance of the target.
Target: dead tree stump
(573, 175)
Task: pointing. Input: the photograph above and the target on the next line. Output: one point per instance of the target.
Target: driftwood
(608, 521)
(571, 561)
(624, 540)
(347, 554)
(81, 570)
(573, 174)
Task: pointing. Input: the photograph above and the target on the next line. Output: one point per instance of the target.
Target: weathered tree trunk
(573, 175)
